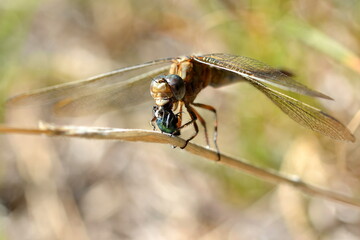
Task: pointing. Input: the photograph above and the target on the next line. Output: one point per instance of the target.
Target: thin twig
(133, 135)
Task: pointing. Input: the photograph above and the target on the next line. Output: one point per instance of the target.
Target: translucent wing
(116, 89)
(257, 71)
(306, 115)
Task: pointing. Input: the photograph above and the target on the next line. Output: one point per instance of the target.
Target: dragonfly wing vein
(258, 71)
(307, 115)
(116, 96)
(102, 88)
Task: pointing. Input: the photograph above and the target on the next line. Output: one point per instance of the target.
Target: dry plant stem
(134, 135)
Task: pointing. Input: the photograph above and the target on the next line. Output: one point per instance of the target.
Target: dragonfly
(174, 85)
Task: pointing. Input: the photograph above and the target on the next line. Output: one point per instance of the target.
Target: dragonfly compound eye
(164, 89)
(177, 85)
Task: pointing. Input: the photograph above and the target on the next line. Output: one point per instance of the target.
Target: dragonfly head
(164, 88)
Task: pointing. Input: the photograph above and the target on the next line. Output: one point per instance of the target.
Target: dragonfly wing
(116, 96)
(98, 94)
(307, 115)
(257, 71)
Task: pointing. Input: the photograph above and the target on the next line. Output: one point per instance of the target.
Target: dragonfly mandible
(176, 84)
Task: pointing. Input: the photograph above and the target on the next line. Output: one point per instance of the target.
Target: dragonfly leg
(193, 117)
(179, 120)
(212, 109)
(153, 119)
(179, 115)
(203, 123)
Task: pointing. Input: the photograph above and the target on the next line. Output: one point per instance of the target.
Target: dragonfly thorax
(167, 88)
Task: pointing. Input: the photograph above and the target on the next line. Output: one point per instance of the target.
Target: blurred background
(62, 188)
